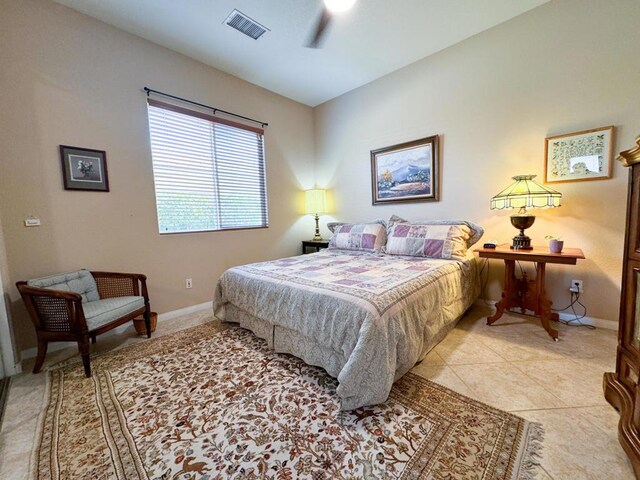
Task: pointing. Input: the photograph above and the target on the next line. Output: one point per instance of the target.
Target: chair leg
(83, 346)
(93, 339)
(147, 321)
(42, 352)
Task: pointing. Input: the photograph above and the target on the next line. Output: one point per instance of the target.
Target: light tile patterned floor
(512, 365)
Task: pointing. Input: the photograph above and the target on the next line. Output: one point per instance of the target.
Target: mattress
(365, 318)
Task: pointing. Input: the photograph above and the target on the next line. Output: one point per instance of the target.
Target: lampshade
(526, 193)
(315, 201)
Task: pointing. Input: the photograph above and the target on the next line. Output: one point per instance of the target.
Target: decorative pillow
(435, 241)
(476, 231)
(369, 237)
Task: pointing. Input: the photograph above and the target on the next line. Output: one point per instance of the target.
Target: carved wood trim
(619, 397)
(631, 156)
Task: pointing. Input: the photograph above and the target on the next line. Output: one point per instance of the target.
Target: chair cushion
(80, 282)
(105, 311)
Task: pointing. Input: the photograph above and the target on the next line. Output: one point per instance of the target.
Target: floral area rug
(215, 402)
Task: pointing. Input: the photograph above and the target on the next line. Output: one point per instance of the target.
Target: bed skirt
(285, 340)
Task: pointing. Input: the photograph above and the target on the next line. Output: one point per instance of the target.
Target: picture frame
(84, 169)
(579, 156)
(406, 172)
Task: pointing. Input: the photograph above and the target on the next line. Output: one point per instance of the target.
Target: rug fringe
(35, 449)
(532, 454)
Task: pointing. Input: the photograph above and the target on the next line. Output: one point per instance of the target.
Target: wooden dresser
(621, 389)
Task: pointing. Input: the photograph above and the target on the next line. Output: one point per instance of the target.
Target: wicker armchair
(78, 306)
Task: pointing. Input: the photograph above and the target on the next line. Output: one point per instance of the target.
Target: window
(209, 173)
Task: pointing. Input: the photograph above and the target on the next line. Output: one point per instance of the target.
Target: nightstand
(526, 293)
(316, 244)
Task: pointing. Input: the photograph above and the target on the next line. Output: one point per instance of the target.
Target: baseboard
(16, 370)
(55, 346)
(594, 321)
(185, 311)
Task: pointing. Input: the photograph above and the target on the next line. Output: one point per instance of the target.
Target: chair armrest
(53, 310)
(116, 284)
(46, 292)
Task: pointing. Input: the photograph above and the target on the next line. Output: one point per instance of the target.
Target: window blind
(209, 173)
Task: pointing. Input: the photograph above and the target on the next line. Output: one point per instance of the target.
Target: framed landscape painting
(579, 156)
(407, 172)
(84, 169)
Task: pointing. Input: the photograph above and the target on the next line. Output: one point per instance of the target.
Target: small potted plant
(555, 244)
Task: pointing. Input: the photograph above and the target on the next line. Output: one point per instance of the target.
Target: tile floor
(512, 365)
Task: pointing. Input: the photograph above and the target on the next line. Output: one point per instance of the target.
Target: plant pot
(555, 246)
(140, 327)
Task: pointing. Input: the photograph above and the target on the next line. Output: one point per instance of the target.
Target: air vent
(246, 25)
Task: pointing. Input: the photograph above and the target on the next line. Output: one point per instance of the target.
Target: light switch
(32, 222)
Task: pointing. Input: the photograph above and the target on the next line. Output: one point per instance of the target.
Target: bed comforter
(379, 313)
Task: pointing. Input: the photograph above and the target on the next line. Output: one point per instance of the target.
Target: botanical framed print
(579, 156)
(407, 172)
(84, 169)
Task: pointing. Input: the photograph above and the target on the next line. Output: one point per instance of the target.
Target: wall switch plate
(188, 283)
(32, 222)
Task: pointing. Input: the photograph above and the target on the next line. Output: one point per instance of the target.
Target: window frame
(213, 119)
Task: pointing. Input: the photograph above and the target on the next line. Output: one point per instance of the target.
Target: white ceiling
(376, 37)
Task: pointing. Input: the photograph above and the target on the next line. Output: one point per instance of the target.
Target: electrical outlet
(188, 283)
(576, 286)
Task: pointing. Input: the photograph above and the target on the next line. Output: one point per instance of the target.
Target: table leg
(507, 294)
(532, 296)
(544, 304)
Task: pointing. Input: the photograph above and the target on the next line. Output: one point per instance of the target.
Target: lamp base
(317, 237)
(522, 221)
(521, 242)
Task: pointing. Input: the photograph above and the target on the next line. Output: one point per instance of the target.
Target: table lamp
(522, 194)
(315, 204)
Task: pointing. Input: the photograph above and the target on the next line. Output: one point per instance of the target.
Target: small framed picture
(579, 156)
(407, 172)
(84, 169)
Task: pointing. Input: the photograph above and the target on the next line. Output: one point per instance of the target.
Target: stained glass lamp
(315, 201)
(522, 194)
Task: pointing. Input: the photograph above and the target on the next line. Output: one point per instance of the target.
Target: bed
(365, 317)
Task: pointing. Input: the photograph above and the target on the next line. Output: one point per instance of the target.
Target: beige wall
(68, 79)
(566, 66)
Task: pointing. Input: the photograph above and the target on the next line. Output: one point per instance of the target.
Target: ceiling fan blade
(321, 26)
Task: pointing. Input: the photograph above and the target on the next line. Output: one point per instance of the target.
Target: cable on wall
(575, 322)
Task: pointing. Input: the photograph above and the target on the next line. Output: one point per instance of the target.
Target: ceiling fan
(329, 9)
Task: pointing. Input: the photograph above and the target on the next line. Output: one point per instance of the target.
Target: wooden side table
(525, 293)
(316, 244)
